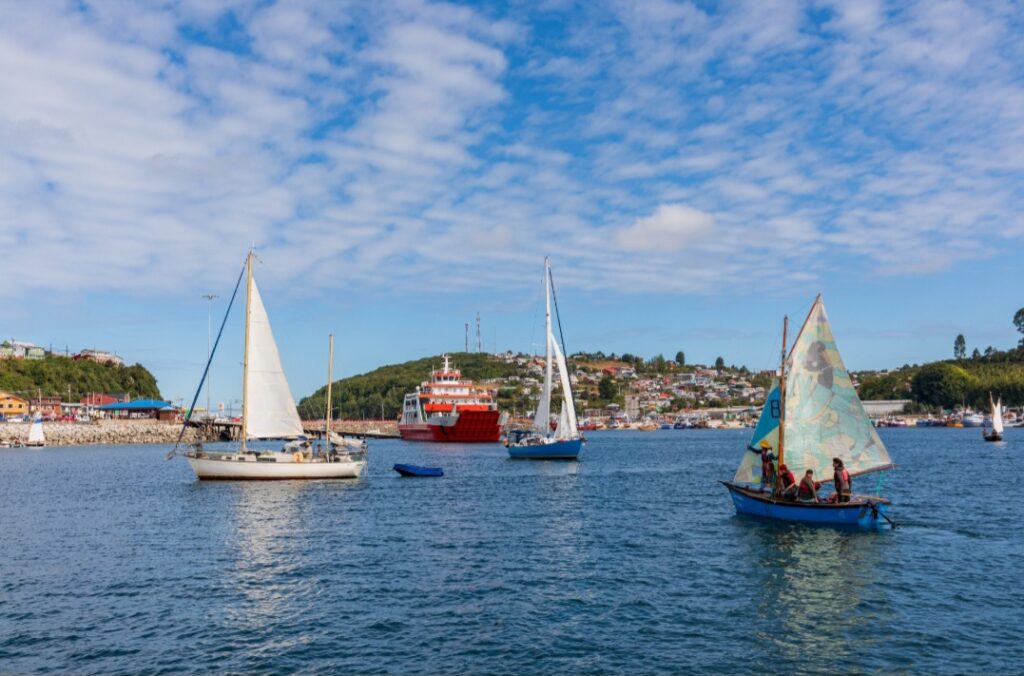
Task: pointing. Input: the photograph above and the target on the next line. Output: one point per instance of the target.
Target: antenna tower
(479, 344)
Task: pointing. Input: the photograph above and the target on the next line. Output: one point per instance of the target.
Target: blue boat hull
(558, 450)
(863, 513)
(416, 470)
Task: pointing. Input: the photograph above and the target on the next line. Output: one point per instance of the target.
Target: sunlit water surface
(629, 561)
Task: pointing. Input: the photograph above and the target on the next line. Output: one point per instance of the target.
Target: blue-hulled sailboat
(812, 416)
(541, 443)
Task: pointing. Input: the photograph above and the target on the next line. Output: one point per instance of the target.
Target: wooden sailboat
(268, 412)
(816, 417)
(997, 420)
(541, 443)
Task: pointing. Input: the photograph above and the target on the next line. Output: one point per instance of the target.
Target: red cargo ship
(449, 408)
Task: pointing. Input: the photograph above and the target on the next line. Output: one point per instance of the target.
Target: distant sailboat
(268, 412)
(813, 417)
(540, 442)
(35, 433)
(997, 420)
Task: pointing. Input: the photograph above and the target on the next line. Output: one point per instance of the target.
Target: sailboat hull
(568, 449)
(862, 513)
(992, 436)
(212, 468)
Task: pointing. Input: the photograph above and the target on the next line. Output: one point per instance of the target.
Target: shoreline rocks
(107, 432)
(131, 432)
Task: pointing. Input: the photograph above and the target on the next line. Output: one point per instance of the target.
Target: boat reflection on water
(818, 588)
(269, 538)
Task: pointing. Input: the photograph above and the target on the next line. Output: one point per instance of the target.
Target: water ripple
(631, 561)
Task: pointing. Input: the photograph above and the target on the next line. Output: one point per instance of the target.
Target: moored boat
(268, 413)
(418, 471)
(541, 442)
(451, 409)
(816, 417)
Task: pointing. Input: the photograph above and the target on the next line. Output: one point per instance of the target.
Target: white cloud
(670, 228)
(393, 140)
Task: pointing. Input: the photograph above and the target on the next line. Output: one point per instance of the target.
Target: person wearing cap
(808, 488)
(767, 464)
(787, 483)
(842, 481)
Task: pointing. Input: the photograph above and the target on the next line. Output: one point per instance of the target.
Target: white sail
(35, 433)
(997, 415)
(270, 410)
(571, 429)
(542, 418)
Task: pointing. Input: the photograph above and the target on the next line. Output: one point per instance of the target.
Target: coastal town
(612, 392)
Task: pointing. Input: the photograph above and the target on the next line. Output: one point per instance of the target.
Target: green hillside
(361, 396)
(52, 376)
(952, 383)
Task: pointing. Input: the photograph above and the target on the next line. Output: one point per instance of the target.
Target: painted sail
(270, 411)
(997, 415)
(35, 433)
(824, 416)
(767, 430)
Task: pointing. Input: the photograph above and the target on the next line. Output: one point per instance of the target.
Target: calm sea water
(631, 560)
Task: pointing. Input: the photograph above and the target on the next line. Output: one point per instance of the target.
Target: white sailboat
(997, 420)
(268, 412)
(35, 433)
(540, 443)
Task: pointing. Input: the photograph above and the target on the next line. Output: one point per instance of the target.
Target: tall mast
(782, 392)
(330, 365)
(547, 337)
(245, 353)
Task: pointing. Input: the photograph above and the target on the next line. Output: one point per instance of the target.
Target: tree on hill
(940, 384)
(976, 355)
(681, 358)
(1018, 321)
(719, 363)
(606, 388)
(959, 347)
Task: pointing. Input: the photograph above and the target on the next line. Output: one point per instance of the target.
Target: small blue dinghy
(416, 470)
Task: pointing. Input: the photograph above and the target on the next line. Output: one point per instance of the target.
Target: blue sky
(694, 169)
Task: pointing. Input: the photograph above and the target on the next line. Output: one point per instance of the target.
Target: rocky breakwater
(100, 432)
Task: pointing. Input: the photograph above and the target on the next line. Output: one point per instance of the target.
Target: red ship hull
(470, 427)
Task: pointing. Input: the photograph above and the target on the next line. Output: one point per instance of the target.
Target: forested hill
(954, 382)
(361, 396)
(53, 375)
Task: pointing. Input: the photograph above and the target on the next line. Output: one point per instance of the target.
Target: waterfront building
(12, 405)
(141, 408)
(45, 405)
(97, 399)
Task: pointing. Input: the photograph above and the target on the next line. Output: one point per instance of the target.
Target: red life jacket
(805, 492)
(845, 475)
(788, 479)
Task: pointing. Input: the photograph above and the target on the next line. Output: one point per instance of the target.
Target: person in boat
(767, 464)
(842, 481)
(808, 488)
(787, 483)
